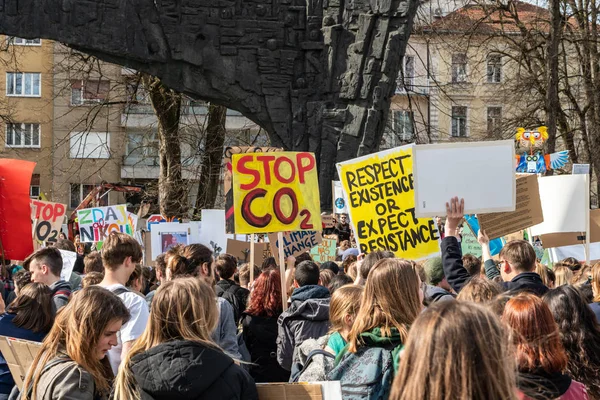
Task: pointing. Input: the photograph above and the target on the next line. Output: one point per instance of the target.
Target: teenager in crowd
(71, 364)
(135, 283)
(580, 334)
(237, 296)
(29, 317)
(344, 306)
(472, 264)
(456, 350)
(160, 265)
(21, 279)
(517, 258)
(540, 355)
(546, 274)
(479, 290)
(244, 274)
(436, 288)
(197, 260)
(45, 266)
(330, 265)
(308, 314)
(563, 275)
(183, 315)
(92, 278)
(391, 301)
(582, 276)
(269, 263)
(259, 323)
(120, 255)
(339, 281)
(595, 306)
(93, 263)
(342, 228)
(325, 276)
(365, 266)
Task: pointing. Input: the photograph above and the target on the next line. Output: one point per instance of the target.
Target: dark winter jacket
(306, 318)
(434, 294)
(186, 370)
(61, 292)
(260, 336)
(596, 309)
(457, 276)
(236, 295)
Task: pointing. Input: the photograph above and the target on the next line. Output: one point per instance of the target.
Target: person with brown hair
(121, 254)
(456, 350)
(595, 305)
(179, 334)
(582, 276)
(541, 357)
(71, 364)
(29, 317)
(479, 290)
(472, 264)
(517, 258)
(93, 262)
(45, 266)
(391, 301)
(244, 274)
(563, 275)
(325, 276)
(259, 323)
(237, 296)
(92, 278)
(21, 279)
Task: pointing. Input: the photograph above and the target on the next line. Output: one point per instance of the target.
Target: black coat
(185, 370)
(236, 295)
(457, 276)
(260, 336)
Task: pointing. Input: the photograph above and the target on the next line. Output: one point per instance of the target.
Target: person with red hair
(259, 323)
(541, 357)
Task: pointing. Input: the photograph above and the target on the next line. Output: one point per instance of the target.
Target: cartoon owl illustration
(532, 139)
(534, 161)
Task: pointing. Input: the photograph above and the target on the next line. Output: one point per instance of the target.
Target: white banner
(340, 204)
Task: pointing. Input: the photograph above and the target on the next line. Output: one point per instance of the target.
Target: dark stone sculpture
(317, 75)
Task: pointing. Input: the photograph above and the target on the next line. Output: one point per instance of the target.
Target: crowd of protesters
(194, 327)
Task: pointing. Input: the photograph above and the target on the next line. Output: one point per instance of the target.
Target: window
(23, 84)
(459, 68)
(403, 125)
(34, 188)
(80, 191)
(17, 41)
(23, 135)
(494, 121)
(407, 74)
(142, 149)
(494, 68)
(89, 145)
(89, 92)
(459, 121)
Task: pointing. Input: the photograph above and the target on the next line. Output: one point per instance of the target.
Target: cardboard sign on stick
(48, 218)
(277, 192)
(469, 243)
(295, 243)
(482, 173)
(95, 224)
(15, 211)
(552, 240)
(382, 205)
(528, 211)
(326, 251)
(19, 355)
(564, 204)
(241, 250)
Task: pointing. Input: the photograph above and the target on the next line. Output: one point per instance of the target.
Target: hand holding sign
(455, 212)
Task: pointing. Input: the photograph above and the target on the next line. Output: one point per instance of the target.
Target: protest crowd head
(45, 265)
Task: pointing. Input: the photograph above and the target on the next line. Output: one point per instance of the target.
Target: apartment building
(26, 106)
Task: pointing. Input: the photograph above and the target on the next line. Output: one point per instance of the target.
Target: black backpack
(231, 296)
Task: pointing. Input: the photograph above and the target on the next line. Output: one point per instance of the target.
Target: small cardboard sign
(241, 250)
(47, 219)
(19, 355)
(328, 221)
(326, 251)
(469, 243)
(295, 243)
(528, 211)
(330, 390)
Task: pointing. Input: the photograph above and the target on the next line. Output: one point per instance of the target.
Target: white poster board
(564, 203)
(482, 173)
(340, 204)
(579, 169)
(577, 251)
(68, 258)
(168, 234)
(212, 231)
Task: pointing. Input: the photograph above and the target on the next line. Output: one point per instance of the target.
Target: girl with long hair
(580, 335)
(29, 317)
(72, 361)
(456, 350)
(259, 323)
(540, 355)
(179, 334)
(343, 308)
(563, 276)
(391, 301)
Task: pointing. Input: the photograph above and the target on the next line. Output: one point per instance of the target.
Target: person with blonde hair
(479, 290)
(343, 307)
(563, 276)
(391, 301)
(183, 315)
(456, 350)
(595, 306)
(72, 362)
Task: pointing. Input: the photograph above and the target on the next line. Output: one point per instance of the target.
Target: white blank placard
(563, 203)
(482, 173)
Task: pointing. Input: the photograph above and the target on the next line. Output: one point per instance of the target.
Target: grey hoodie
(434, 294)
(306, 318)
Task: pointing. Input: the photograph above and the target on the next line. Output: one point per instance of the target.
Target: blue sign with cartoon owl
(534, 161)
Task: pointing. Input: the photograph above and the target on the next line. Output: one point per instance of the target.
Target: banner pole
(587, 220)
(282, 271)
(251, 259)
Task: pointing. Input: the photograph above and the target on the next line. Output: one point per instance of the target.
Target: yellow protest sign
(380, 193)
(275, 192)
